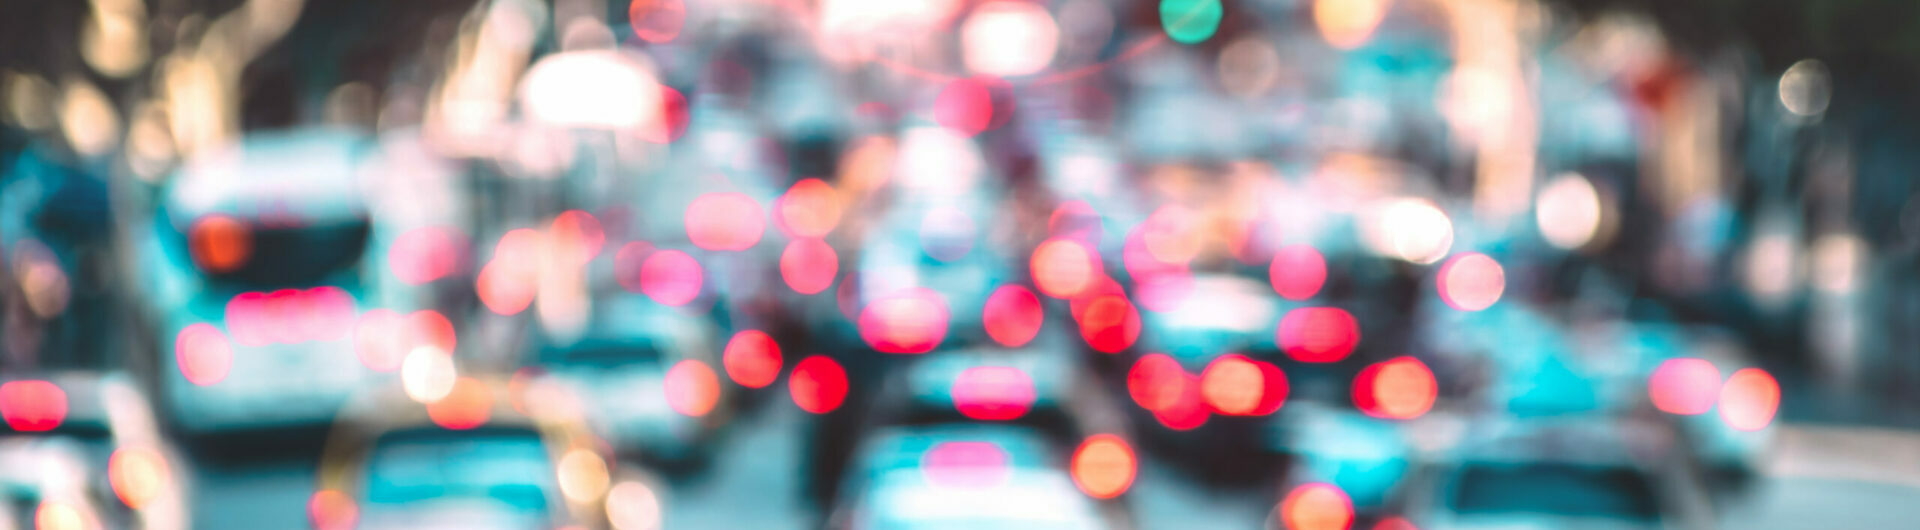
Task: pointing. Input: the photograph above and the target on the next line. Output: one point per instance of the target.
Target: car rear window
(1556, 489)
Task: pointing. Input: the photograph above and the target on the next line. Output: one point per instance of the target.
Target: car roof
(313, 172)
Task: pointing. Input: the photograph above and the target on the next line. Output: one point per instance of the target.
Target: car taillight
(332, 510)
(1237, 386)
(219, 243)
(993, 393)
(1317, 506)
(32, 406)
(911, 321)
(818, 384)
(692, 388)
(1104, 466)
(1749, 399)
(137, 475)
(1400, 388)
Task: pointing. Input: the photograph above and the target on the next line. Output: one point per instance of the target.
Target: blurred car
(471, 460)
(644, 376)
(56, 260)
(251, 276)
(984, 476)
(88, 445)
(1571, 472)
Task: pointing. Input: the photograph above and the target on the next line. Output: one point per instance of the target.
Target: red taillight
(1187, 411)
(1110, 324)
(1237, 386)
(1155, 381)
(1104, 466)
(671, 277)
(810, 208)
(724, 221)
(1012, 316)
(692, 388)
(809, 265)
(137, 475)
(1317, 506)
(1318, 334)
(966, 464)
(911, 321)
(1399, 388)
(1062, 268)
(818, 384)
(332, 510)
(290, 316)
(1749, 399)
(426, 254)
(752, 359)
(219, 243)
(1297, 272)
(32, 406)
(467, 405)
(203, 354)
(993, 393)
(1684, 386)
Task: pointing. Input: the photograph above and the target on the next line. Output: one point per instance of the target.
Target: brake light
(752, 359)
(1155, 381)
(912, 321)
(32, 406)
(692, 388)
(1749, 399)
(1317, 506)
(1237, 386)
(808, 265)
(137, 475)
(1012, 316)
(1187, 411)
(1297, 272)
(203, 354)
(332, 510)
(965, 464)
(810, 208)
(1318, 334)
(724, 221)
(1684, 386)
(1104, 466)
(467, 405)
(1399, 388)
(818, 384)
(1110, 324)
(671, 277)
(219, 243)
(993, 393)
(1062, 268)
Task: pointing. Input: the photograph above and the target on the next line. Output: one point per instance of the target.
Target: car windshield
(604, 354)
(507, 467)
(1555, 490)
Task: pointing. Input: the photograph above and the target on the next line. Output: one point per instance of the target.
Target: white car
(255, 276)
